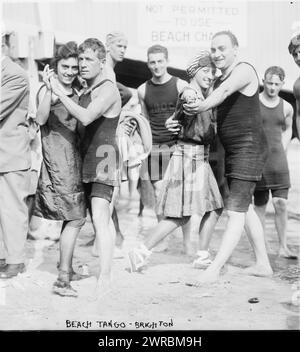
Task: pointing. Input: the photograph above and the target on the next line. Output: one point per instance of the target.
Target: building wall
(268, 28)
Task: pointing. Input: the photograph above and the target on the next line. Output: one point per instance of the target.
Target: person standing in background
(277, 117)
(14, 163)
(158, 98)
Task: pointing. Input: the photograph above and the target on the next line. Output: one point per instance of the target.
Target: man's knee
(279, 204)
(100, 211)
(157, 185)
(77, 223)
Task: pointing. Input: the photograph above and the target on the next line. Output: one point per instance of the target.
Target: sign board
(189, 23)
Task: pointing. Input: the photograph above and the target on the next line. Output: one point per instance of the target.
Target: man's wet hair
(154, 49)
(275, 70)
(95, 45)
(229, 34)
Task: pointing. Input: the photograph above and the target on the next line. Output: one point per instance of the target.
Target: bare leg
(66, 246)
(133, 177)
(280, 206)
(162, 230)
(261, 213)
(187, 244)
(67, 242)
(141, 208)
(254, 231)
(119, 235)
(207, 227)
(138, 256)
(163, 245)
(105, 239)
(30, 204)
(157, 185)
(231, 237)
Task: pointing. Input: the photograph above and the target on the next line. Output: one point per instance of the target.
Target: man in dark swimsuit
(277, 116)
(116, 45)
(158, 98)
(99, 111)
(236, 100)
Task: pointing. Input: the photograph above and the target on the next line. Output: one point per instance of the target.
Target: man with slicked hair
(277, 115)
(239, 124)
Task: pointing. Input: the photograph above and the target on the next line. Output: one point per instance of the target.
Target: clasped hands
(51, 82)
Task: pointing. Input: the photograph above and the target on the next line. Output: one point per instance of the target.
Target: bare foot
(207, 276)
(258, 270)
(161, 247)
(188, 248)
(118, 253)
(103, 287)
(286, 253)
(269, 249)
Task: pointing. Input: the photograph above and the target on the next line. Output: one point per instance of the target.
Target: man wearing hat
(14, 164)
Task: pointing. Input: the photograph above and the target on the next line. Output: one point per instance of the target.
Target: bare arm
(45, 97)
(297, 97)
(241, 76)
(287, 133)
(98, 106)
(44, 105)
(298, 117)
(141, 95)
(125, 93)
(181, 84)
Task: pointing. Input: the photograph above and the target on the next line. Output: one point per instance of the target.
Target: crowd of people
(91, 142)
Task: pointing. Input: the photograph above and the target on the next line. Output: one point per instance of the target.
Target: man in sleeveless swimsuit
(277, 117)
(294, 50)
(236, 100)
(116, 45)
(158, 98)
(98, 111)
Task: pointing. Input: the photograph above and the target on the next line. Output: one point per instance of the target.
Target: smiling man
(98, 110)
(277, 116)
(158, 98)
(236, 99)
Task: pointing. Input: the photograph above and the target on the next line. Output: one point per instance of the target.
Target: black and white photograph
(149, 168)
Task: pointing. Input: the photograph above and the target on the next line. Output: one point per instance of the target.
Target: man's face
(272, 85)
(117, 49)
(296, 56)
(67, 70)
(223, 52)
(90, 66)
(157, 64)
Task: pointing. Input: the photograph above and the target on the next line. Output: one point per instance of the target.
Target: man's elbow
(85, 123)
(86, 119)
